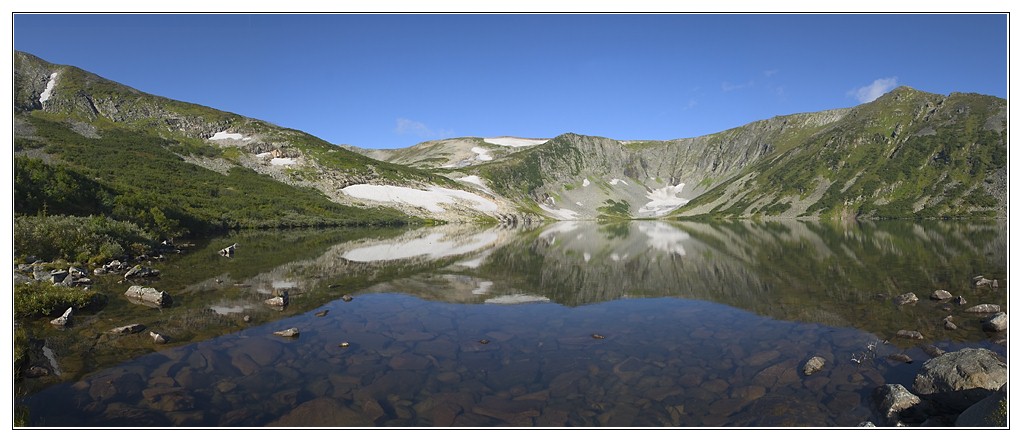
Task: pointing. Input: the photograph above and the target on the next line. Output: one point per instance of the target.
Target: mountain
(202, 168)
(908, 154)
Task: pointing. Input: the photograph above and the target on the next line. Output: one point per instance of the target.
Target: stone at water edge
(158, 338)
(290, 332)
(941, 295)
(893, 401)
(129, 329)
(63, 320)
(148, 295)
(989, 412)
(813, 365)
(957, 380)
(996, 323)
(984, 309)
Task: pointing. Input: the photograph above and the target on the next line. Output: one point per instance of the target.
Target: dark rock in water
(36, 372)
(906, 298)
(129, 329)
(322, 313)
(984, 309)
(949, 325)
(996, 323)
(598, 336)
(813, 365)
(346, 298)
(139, 271)
(896, 404)
(960, 300)
(290, 332)
(941, 295)
(866, 424)
(985, 282)
(915, 335)
(990, 412)
(957, 380)
(932, 350)
(900, 358)
(322, 412)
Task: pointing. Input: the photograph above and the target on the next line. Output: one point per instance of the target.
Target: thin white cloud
(874, 90)
(729, 87)
(770, 72)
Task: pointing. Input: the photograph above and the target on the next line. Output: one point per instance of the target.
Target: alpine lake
(572, 324)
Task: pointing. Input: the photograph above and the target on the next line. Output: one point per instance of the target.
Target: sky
(394, 80)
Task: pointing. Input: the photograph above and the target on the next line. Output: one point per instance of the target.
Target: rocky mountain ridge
(907, 154)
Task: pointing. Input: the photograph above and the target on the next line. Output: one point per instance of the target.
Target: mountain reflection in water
(572, 324)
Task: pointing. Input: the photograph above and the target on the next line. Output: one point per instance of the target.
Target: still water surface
(571, 324)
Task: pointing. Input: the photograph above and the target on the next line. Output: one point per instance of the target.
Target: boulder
(905, 299)
(895, 404)
(280, 301)
(990, 412)
(915, 335)
(58, 276)
(984, 309)
(63, 320)
(996, 323)
(959, 300)
(148, 296)
(813, 365)
(158, 338)
(941, 295)
(957, 380)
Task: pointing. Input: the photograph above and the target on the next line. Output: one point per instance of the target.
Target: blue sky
(386, 81)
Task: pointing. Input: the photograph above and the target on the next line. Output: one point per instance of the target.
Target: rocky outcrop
(957, 380)
(148, 296)
(988, 413)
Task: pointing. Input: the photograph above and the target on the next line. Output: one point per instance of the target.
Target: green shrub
(92, 239)
(46, 299)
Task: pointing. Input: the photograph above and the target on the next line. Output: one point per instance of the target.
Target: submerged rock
(290, 332)
(915, 335)
(813, 365)
(906, 299)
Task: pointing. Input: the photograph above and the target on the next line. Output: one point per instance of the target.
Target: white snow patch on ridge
(615, 181)
(560, 214)
(434, 246)
(49, 88)
(663, 200)
(482, 154)
(224, 135)
(430, 199)
(586, 182)
(514, 141)
(283, 161)
(474, 179)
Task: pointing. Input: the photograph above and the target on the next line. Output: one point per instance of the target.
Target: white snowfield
(49, 88)
(516, 299)
(283, 161)
(560, 214)
(663, 200)
(434, 246)
(224, 135)
(615, 181)
(482, 154)
(474, 179)
(514, 142)
(264, 154)
(430, 199)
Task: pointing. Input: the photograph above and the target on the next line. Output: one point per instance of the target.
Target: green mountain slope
(85, 145)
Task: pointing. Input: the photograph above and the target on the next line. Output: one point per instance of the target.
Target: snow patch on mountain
(663, 200)
(49, 88)
(482, 154)
(430, 199)
(224, 135)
